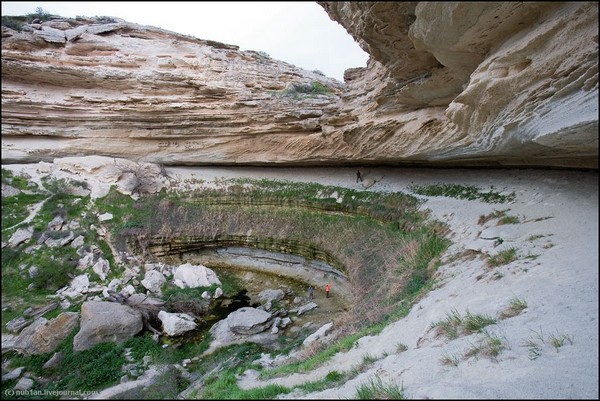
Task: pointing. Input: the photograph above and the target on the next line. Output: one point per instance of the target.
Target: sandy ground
(556, 275)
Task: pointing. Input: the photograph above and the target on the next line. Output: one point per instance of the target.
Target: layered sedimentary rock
(487, 83)
(447, 83)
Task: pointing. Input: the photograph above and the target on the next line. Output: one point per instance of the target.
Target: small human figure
(311, 293)
(358, 176)
(327, 289)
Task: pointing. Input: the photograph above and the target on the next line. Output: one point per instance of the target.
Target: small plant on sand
(401, 347)
(516, 306)
(508, 220)
(489, 346)
(503, 257)
(449, 359)
(455, 325)
(493, 215)
(559, 340)
(376, 389)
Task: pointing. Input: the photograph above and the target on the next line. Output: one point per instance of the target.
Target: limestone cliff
(447, 83)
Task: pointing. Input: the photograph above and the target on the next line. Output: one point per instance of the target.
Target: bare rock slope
(447, 83)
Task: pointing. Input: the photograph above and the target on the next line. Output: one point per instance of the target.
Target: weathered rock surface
(106, 322)
(192, 276)
(175, 324)
(45, 335)
(448, 83)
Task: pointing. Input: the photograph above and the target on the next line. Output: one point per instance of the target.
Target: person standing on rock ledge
(327, 289)
(311, 293)
(358, 176)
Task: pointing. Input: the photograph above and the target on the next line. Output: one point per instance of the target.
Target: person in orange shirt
(327, 289)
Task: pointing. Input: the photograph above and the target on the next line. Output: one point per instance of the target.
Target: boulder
(13, 374)
(153, 281)
(175, 324)
(79, 285)
(44, 335)
(106, 322)
(192, 276)
(24, 384)
(17, 324)
(271, 295)
(321, 332)
(304, 308)
(101, 268)
(248, 321)
(20, 236)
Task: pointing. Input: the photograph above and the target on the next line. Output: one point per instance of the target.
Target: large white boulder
(192, 276)
(153, 281)
(175, 324)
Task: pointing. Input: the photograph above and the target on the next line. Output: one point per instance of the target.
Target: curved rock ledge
(314, 272)
(181, 245)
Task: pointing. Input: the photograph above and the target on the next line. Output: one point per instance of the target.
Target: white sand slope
(556, 275)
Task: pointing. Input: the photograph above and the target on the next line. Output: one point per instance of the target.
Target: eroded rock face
(125, 89)
(106, 322)
(461, 83)
(448, 83)
(43, 335)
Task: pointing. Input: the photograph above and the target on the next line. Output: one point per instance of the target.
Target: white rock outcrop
(192, 276)
(175, 324)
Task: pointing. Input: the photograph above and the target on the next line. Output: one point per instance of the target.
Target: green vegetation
(376, 389)
(516, 306)
(17, 22)
(380, 240)
(456, 325)
(559, 340)
(468, 192)
(383, 231)
(303, 90)
(503, 257)
(489, 346)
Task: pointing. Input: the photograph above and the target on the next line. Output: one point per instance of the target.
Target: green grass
(458, 191)
(384, 232)
(295, 218)
(376, 389)
(489, 346)
(302, 90)
(503, 257)
(508, 220)
(456, 325)
(517, 305)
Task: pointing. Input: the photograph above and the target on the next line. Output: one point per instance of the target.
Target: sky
(300, 33)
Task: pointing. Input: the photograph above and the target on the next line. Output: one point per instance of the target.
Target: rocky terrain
(447, 84)
(104, 290)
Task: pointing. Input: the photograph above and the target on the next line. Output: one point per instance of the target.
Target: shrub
(376, 389)
(503, 257)
(15, 23)
(304, 90)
